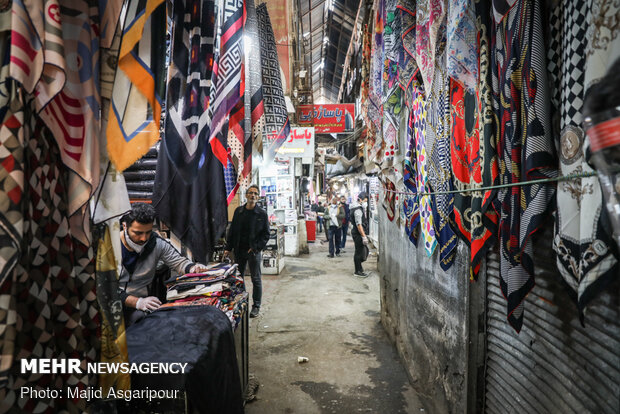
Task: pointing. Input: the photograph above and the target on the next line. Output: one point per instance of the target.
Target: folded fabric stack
(220, 286)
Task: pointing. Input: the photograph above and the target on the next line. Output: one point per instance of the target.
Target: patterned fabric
(429, 17)
(392, 31)
(375, 99)
(419, 132)
(474, 154)
(133, 125)
(187, 116)
(254, 105)
(389, 200)
(228, 83)
(277, 125)
(55, 56)
(462, 47)
(525, 147)
(11, 178)
(439, 163)
(56, 313)
(230, 181)
(113, 343)
(585, 257)
(407, 67)
(205, 214)
(411, 205)
(110, 199)
(501, 9)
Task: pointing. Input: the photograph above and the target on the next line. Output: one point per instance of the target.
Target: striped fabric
(277, 125)
(227, 102)
(439, 161)
(133, 125)
(55, 56)
(525, 147)
(189, 86)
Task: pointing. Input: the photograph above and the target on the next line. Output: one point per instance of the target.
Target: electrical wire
(568, 177)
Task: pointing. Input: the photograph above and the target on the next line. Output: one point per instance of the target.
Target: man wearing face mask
(358, 233)
(247, 237)
(142, 251)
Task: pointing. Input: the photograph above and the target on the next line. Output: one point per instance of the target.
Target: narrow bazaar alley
(316, 308)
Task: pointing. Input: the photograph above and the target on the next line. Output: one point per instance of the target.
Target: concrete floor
(317, 309)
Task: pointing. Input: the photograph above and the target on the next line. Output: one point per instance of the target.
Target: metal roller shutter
(554, 365)
(140, 177)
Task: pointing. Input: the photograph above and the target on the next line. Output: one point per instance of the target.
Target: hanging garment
(439, 163)
(227, 102)
(407, 66)
(254, 105)
(429, 16)
(474, 154)
(462, 46)
(110, 199)
(12, 141)
(190, 79)
(55, 56)
(133, 124)
(53, 312)
(419, 132)
(204, 215)
(113, 342)
(525, 147)
(411, 205)
(277, 125)
(584, 247)
(375, 92)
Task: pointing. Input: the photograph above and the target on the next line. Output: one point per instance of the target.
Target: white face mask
(134, 246)
(365, 204)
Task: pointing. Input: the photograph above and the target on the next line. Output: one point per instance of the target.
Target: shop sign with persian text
(328, 118)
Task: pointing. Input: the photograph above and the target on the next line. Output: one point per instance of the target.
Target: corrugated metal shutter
(140, 177)
(554, 365)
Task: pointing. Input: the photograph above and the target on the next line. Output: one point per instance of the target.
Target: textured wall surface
(425, 312)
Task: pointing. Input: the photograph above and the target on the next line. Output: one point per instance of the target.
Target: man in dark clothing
(359, 232)
(142, 251)
(320, 210)
(345, 223)
(247, 237)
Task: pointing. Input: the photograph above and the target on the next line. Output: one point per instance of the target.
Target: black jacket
(259, 230)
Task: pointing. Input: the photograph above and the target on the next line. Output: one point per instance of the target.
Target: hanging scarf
(113, 343)
(419, 131)
(407, 66)
(190, 85)
(55, 314)
(254, 105)
(375, 107)
(429, 15)
(411, 206)
(474, 154)
(227, 100)
(525, 147)
(277, 125)
(462, 46)
(584, 247)
(55, 56)
(439, 162)
(133, 125)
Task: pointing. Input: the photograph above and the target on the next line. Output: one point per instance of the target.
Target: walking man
(333, 222)
(359, 233)
(247, 237)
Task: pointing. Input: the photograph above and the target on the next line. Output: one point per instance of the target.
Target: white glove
(147, 304)
(198, 268)
(365, 240)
